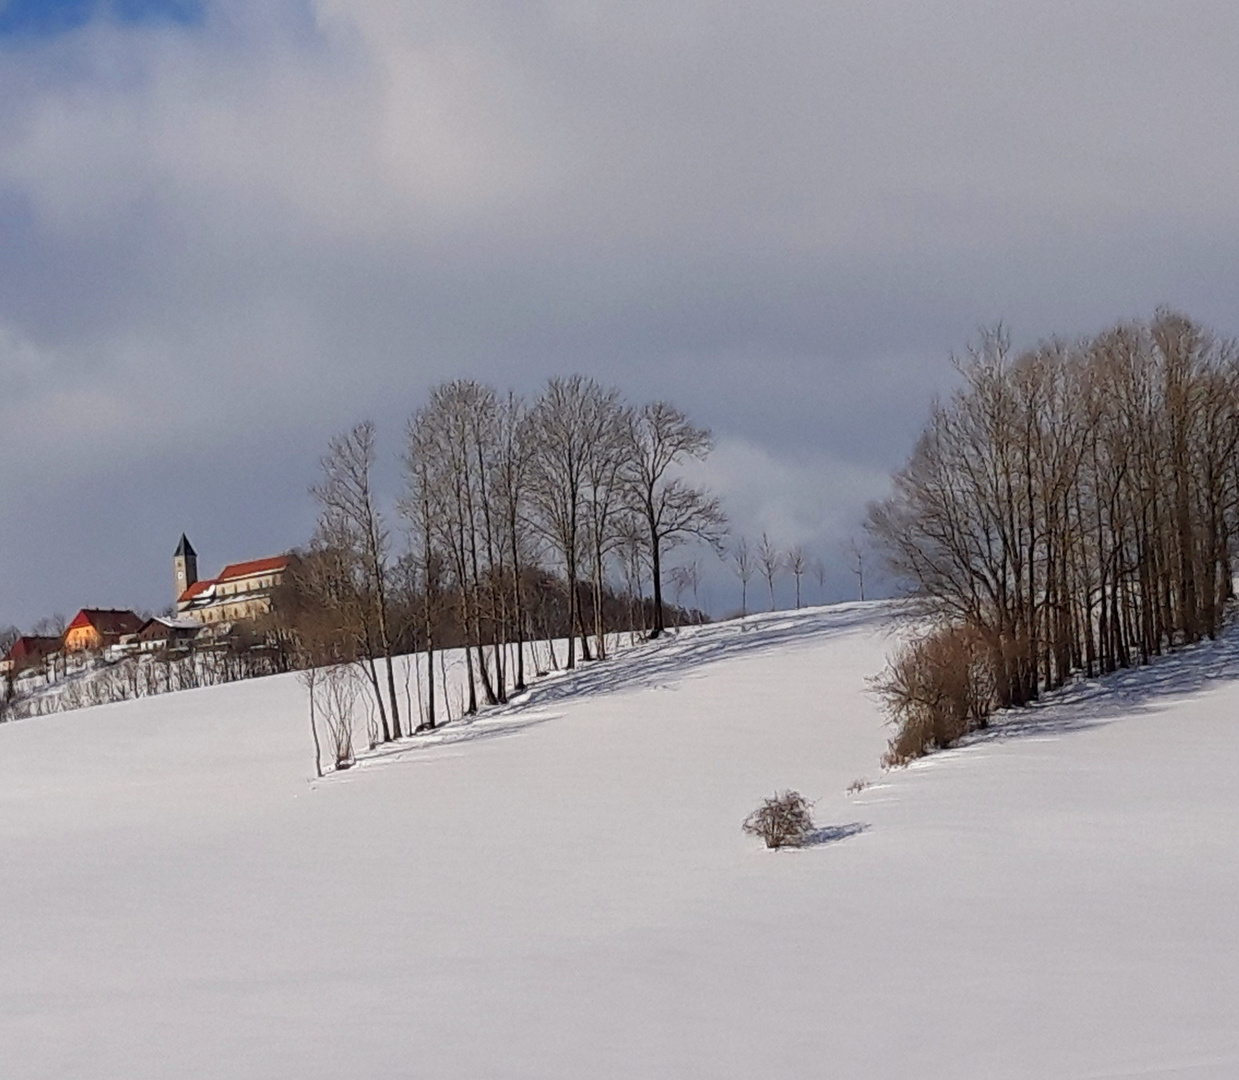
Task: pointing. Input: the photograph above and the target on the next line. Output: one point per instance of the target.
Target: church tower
(184, 565)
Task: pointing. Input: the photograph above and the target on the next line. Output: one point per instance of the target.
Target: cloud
(227, 239)
(813, 500)
(797, 499)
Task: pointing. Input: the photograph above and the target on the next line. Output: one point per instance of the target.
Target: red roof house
(29, 651)
(93, 628)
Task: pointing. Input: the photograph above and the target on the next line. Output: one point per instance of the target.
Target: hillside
(561, 889)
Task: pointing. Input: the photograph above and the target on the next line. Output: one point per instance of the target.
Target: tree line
(517, 519)
(1071, 508)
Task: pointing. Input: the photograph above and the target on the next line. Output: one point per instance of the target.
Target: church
(241, 591)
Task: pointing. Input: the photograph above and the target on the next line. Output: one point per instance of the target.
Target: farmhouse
(162, 633)
(28, 652)
(95, 628)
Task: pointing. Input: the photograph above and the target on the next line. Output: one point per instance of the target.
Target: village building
(28, 652)
(164, 633)
(242, 591)
(184, 565)
(96, 628)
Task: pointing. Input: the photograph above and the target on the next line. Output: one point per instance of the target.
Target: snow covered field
(561, 889)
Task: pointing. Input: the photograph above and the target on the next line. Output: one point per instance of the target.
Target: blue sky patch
(47, 18)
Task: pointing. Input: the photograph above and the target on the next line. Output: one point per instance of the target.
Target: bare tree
(634, 554)
(1074, 506)
(673, 510)
(684, 579)
(447, 432)
(513, 479)
(818, 567)
(562, 426)
(309, 677)
(770, 562)
(484, 428)
(743, 567)
(8, 638)
(797, 563)
(51, 626)
(416, 506)
(322, 605)
(349, 515)
(54, 626)
(604, 506)
(856, 553)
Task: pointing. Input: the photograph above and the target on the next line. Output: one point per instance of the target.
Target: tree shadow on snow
(449, 734)
(1088, 703)
(657, 664)
(651, 664)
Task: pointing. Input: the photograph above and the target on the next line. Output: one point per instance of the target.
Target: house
(28, 652)
(96, 628)
(163, 633)
(242, 591)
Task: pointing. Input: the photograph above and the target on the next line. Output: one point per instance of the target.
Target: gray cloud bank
(220, 244)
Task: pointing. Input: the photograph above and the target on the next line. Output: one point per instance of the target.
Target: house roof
(32, 645)
(254, 566)
(194, 591)
(107, 621)
(234, 572)
(163, 628)
(178, 624)
(184, 548)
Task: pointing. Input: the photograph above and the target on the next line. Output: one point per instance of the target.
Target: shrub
(937, 688)
(339, 689)
(784, 820)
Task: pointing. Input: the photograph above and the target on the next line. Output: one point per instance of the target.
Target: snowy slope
(562, 889)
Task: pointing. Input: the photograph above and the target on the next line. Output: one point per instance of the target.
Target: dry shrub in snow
(937, 688)
(784, 820)
(339, 691)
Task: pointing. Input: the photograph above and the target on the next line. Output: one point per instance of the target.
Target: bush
(339, 690)
(784, 820)
(936, 689)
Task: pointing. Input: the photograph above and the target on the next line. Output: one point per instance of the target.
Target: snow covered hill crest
(560, 888)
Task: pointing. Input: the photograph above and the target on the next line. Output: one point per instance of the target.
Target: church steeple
(184, 565)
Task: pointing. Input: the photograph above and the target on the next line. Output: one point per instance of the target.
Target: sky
(230, 230)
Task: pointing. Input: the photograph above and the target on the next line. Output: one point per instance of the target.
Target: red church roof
(196, 589)
(236, 572)
(254, 566)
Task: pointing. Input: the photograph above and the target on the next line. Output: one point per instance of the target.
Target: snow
(562, 889)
